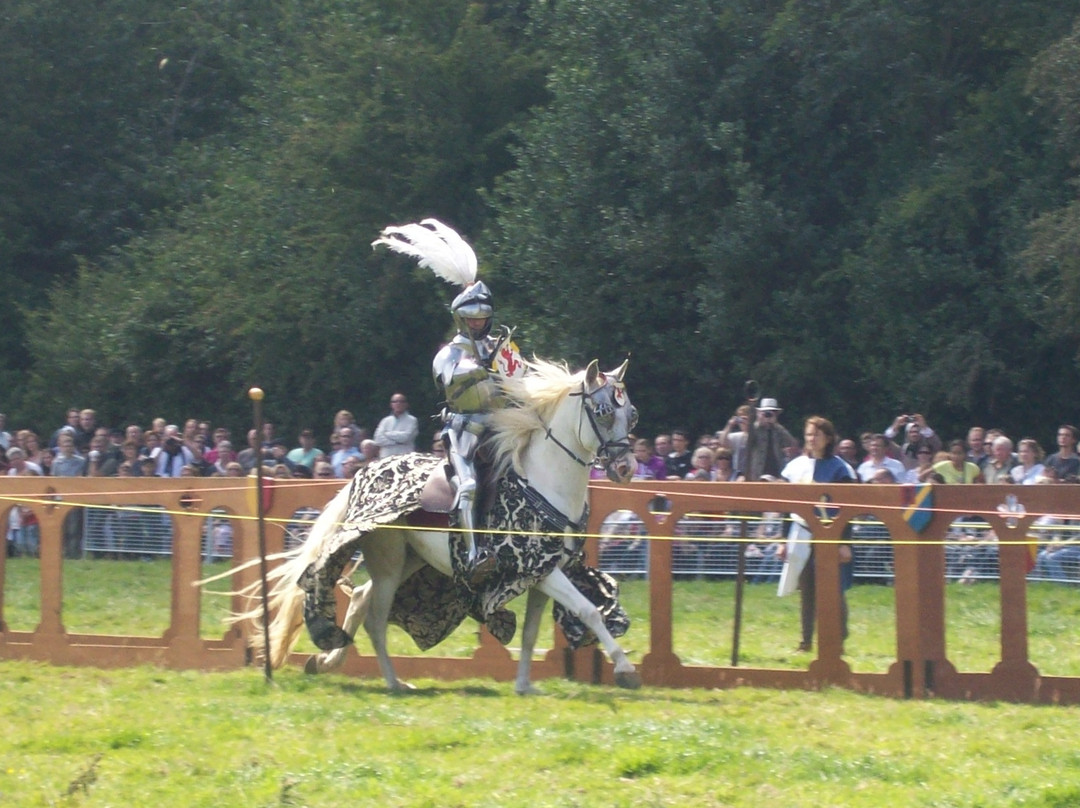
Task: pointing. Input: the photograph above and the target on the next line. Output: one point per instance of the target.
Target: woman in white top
(1031, 467)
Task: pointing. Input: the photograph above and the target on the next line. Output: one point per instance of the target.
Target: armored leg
(463, 445)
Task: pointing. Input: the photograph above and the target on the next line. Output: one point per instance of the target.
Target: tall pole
(751, 393)
(256, 396)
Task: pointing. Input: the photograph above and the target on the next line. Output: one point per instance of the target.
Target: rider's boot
(477, 565)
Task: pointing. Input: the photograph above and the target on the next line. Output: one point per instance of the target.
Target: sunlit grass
(141, 736)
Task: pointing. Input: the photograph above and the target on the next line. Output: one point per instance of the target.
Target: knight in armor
(467, 369)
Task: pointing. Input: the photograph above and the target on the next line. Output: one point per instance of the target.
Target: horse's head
(612, 417)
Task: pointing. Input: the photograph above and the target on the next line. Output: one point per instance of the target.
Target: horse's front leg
(359, 601)
(558, 586)
(534, 610)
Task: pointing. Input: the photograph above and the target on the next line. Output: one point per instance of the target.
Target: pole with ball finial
(256, 396)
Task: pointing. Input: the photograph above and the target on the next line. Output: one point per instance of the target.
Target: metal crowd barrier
(707, 546)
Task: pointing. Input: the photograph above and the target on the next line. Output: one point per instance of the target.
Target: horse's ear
(592, 375)
(620, 371)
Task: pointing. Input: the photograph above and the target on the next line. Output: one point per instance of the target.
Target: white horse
(558, 425)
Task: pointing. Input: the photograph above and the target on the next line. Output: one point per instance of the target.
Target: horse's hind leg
(558, 586)
(359, 602)
(534, 610)
(385, 557)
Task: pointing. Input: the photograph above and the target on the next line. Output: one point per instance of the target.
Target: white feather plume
(436, 247)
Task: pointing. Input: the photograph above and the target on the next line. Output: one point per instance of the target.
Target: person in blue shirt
(820, 464)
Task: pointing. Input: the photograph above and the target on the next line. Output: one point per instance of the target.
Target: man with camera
(173, 455)
(913, 432)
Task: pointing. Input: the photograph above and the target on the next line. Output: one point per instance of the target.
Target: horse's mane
(533, 399)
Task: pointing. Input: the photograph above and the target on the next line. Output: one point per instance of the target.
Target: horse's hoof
(529, 690)
(327, 635)
(631, 680)
(401, 687)
(312, 665)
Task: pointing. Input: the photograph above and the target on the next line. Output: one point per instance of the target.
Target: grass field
(149, 737)
(146, 737)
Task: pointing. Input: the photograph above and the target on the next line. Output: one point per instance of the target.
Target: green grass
(132, 597)
(147, 737)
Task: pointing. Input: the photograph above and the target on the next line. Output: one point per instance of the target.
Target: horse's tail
(286, 598)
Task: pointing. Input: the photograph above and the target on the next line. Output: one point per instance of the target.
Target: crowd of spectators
(752, 445)
(907, 451)
(82, 447)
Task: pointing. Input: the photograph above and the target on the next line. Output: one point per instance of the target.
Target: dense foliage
(869, 206)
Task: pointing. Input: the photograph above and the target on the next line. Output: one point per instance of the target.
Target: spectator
(350, 465)
(306, 453)
(924, 467)
(978, 447)
(151, 443)
(958, 469)
(343, 419)
(219, 542)
(911, 430)
(767, 443)
(134, 433)
(279, 455)
(818, 465)
(347, 449)
(113, 453)
(847, 451)
(1030, 468)
(997, 468)
(733, 435)
(1065, 461)
(723, 466)
(877, 458)
(234, 469)
(370, 451)
(18, 464)
(174, 455)
(661, 447)
(220, 434)
(701, 463)
(678, 461)
(268, 435)
(915, 437)
(147, 467)
(252, 454)
(71, 422)
(202, 466)
(649, 466)
(68, 462)
(323, 469)
(85, 430)
(96, 455)
(221, 456)
(396, 433)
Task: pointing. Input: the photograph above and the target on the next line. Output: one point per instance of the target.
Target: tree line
(870, 207)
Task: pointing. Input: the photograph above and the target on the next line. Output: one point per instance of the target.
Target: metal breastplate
(465, 379)
(472, 388)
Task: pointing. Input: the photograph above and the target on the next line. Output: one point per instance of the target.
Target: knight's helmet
(474, 303)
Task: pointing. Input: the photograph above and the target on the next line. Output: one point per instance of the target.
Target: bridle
(601, 417)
